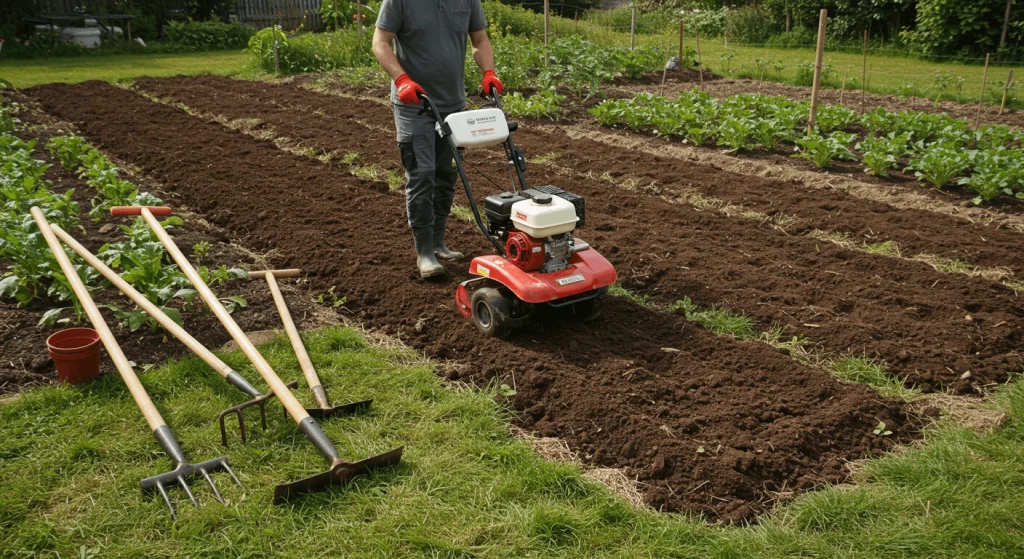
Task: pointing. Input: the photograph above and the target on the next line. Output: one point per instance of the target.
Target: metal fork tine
(263, 414)
(174, 514)
(188, 491)
(212, 486)
(233, 476)
(241, 424)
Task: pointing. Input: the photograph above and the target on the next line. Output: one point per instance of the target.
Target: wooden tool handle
(137, 210)
(288, 400)
(113, 349)
(289, 273)
(293, 333)
(139, 299)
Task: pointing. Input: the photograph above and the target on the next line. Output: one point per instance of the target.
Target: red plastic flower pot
(76, 354)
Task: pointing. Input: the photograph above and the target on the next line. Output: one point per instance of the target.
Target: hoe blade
(346, 409)
(339, 474)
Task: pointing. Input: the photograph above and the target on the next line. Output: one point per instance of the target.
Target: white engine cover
(544, 220)
(479, 128)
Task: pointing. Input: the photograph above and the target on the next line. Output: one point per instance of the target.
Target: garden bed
(708, 424)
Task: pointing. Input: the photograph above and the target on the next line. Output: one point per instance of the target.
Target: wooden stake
(680, 45)
(547, 23)
(818, 61)
(864, 73)
(981, 100)
(760, 82)
(842, 88)
(359, 19)
(1006, 90)
(700, 63)
(277, 65)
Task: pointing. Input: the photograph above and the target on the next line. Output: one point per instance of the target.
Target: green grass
(122, 67)
(72, 457)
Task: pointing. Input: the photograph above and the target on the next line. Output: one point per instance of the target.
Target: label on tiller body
(575, 278)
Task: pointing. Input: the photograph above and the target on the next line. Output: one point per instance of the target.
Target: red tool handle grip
(162, 211)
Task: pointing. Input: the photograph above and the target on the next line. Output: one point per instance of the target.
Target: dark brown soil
(637, 389)
(24, 360)
(905, 313)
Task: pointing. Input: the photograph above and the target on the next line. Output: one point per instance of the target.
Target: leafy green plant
(881, 430)
(200, 250)
(735, 133)
(821, 150)
(834, 117)
(68, 150)
(146, 267)
(330, 298)
(543, 104)
(939, 165)
(881, 154)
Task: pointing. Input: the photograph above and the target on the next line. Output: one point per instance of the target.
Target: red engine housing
(524, 251)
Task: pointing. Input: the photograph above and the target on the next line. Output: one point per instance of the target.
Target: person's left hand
(491, 80)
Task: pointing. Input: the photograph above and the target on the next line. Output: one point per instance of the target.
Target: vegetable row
(937, 149)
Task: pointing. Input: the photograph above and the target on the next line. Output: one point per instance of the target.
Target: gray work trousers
(429, 172)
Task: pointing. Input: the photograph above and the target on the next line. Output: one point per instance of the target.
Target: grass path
(71, 458)
(122, 67)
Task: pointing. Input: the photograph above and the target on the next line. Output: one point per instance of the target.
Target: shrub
(319, 52)
(801, 37)
(207, 35)
(747, 24)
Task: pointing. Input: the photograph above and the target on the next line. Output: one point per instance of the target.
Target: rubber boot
(426, 262)
(441, 251)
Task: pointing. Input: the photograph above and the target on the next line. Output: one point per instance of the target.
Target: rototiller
(540, 262)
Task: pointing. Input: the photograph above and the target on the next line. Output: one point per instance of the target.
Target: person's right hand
(408, 90)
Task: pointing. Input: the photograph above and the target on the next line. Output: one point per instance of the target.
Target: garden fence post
(981, 100)
(632, 27)
(1006, 90)
(700, 64)
(547, 22)
(680, 45)
(818, 58)
(864, 73)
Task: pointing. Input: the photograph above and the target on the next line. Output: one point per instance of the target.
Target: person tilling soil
(428, 58)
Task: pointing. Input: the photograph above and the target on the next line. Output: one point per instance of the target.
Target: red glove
(408, 90)
(491, 79)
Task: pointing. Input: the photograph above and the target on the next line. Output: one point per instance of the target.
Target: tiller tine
(340, 473)
(183, 471)
(239, 411)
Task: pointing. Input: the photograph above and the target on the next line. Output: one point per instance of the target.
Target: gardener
(429, 57)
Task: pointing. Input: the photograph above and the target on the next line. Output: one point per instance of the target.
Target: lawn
(72, 458)
(121, 67)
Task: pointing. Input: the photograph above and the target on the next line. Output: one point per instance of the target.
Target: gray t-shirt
(430, 42)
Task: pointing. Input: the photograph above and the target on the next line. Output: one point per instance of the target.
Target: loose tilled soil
(24, 360)
(637, 388)
(938, 330)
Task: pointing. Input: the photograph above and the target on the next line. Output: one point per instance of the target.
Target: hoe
(339, 471)
(540, 263)
(230, 375)
(183, 470)
(319, 392)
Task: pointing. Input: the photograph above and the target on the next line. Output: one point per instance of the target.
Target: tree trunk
(1006, 24)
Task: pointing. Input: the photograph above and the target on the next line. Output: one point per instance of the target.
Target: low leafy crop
(881, 154)
(939, 165)
(543, 104)
(821, 150)
(75, 154)
(937, 148)
(33, 271)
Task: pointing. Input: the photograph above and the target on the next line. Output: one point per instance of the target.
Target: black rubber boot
(441, 251)
(425, 260)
